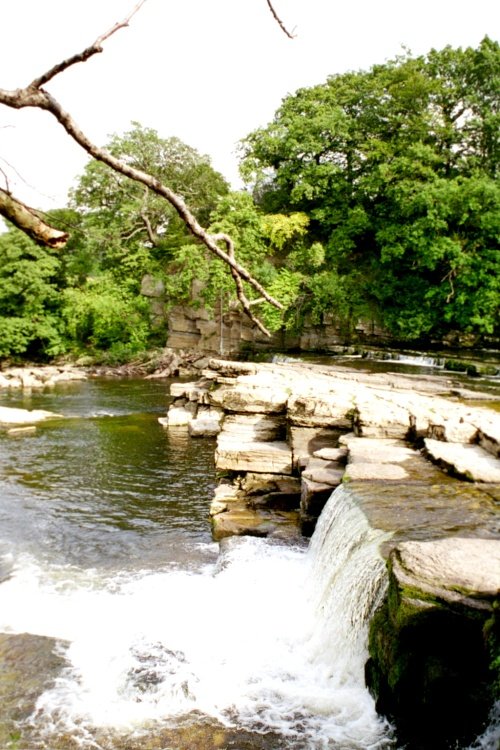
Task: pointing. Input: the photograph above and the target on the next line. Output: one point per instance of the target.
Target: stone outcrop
(434, 644)
(307, 422)
(196, 328)
(39, 377)
(420, 465)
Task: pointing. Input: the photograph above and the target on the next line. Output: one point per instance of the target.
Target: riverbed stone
(38, 378)
(21, 431)
(469, 461)
(377, 450)
(194, 391)
(463, 570)
(338, 455)
(257, 484)
(179, 416)
(323, 472)
(10, 415)
(375, 472)
(204, 426)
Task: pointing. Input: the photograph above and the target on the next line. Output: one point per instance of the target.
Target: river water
(121, 625)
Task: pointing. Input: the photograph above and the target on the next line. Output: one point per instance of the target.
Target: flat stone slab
(264, 458)
(411, 511)
(450, 568)
(375, 472)
(377, 451)
(331, 454)
(244, 398)
(470, 461)
(323, 472)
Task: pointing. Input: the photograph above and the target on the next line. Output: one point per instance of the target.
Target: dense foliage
(87, 299)
(396, 168)
(373, 196)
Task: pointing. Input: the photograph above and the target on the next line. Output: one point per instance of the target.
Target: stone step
(265, 458)
(465, 460)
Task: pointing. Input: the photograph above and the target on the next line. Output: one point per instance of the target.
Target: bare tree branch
(240, 293)
(6, 180)
(280, 23)
(94, 49)
(153, 237)
(29, 221)
(34, 95)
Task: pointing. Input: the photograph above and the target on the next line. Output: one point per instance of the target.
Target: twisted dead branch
(34, 95)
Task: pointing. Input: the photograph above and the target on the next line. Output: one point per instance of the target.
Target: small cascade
(269, 639)
(349, 580)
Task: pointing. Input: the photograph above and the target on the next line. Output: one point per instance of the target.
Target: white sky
(207, 71)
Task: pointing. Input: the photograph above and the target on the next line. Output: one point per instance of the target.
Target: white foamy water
(257, 641)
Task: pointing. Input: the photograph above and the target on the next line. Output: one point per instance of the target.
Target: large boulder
(434, 644)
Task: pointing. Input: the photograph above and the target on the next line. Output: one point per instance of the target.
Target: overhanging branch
(280, 23)
(27, 219)
(34, 95)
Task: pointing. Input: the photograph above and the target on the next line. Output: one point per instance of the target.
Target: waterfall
(271, 638)
(349, 580)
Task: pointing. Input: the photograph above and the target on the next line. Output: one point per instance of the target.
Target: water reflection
(99, 490)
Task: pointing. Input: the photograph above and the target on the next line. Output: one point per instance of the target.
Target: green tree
(30, 324)
(126, 232)
(129, 230)
(395, 168)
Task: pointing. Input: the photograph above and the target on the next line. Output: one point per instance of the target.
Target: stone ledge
(469, 461)
(258, 457)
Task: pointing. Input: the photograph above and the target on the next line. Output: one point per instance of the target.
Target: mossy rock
(434, 664)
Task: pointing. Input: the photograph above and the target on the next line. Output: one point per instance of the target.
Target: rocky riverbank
(423, 465)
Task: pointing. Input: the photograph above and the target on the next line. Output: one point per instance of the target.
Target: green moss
(491, 633)
(433, 663)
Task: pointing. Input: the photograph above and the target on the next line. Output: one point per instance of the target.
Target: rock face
(307, 422)
(434, 645)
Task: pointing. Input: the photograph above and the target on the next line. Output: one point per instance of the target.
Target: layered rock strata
(307, 422)
(423, 466)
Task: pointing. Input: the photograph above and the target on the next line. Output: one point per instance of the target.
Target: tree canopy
(396, 169)
(373, 196)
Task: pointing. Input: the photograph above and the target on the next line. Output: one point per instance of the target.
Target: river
(121, 625)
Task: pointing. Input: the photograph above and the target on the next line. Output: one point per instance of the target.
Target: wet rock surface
(434, 643)
(28, 666)
(423, 467)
